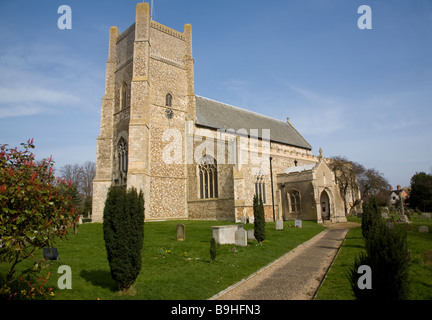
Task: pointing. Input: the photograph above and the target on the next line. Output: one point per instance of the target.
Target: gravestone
(243, 219)
(181, 229)
(403, 218)
(251, 219)
(426, 215)
(225, 234)
(251, 234)
(298, 224)
(384, 215)
(279, 225)
(424, 229)
(241, 237)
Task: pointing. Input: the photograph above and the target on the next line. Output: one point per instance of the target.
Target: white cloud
(40, 78)
(20, 110)
(36, 94)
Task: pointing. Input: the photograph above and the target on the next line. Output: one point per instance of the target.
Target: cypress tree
(259, 219)
(123, 228)
(388, 257)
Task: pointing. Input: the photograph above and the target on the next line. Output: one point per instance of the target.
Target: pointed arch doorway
(325, 206)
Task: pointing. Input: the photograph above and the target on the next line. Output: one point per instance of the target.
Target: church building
(194, 157)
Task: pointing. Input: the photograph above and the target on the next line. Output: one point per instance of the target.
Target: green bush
(388, 257)
(259, 219)
(371, 216)
(123, 228)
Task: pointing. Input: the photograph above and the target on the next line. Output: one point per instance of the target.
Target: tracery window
(260, 187)
(122, 156)
(208, 178)
(294, 201)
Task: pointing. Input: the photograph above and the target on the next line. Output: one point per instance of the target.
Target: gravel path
(295, 276)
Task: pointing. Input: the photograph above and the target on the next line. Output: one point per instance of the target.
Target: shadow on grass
(100, 278)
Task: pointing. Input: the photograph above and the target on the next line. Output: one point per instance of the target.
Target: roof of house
(217, 115)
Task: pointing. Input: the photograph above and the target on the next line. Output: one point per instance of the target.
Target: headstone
(251, 234)
(225, 234)
(181, 232)
(298, 224)
(50, 253)
(426, 215)
(241, 237)
(384, 215)
(243, 219)
(403, 218)
(251, 219)
(424, 229)
(279, 225)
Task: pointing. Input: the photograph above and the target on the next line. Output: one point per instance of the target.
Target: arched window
(168, 100)
(260, 187)
(124, 96)
(208, 178)
(122, 156)
(294, 201)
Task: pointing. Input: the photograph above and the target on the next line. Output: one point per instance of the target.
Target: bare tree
(88, 174)
(373, 184)
(346, 173)
(73, 173)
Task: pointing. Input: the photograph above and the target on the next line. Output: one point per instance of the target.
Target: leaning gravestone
(279, 225)
(181, 232)
(298, 224)
(241, 237)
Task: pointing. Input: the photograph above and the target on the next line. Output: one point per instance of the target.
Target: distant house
(395, 195)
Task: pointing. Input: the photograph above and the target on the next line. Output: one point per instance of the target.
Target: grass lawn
(336, 285)
(171, 270)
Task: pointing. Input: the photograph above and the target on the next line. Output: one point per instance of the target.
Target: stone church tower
(149, 88)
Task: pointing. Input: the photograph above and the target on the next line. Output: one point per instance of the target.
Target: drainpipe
(271, 178)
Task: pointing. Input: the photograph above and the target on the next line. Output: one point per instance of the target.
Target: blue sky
(362, 94)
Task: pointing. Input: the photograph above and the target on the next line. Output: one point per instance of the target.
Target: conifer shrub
(370, 218)
(259, 219)
(123, 227)
(388, 257)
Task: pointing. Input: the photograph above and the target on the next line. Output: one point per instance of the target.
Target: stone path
(295, 276)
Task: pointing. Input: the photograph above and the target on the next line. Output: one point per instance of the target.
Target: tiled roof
(217, 115)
